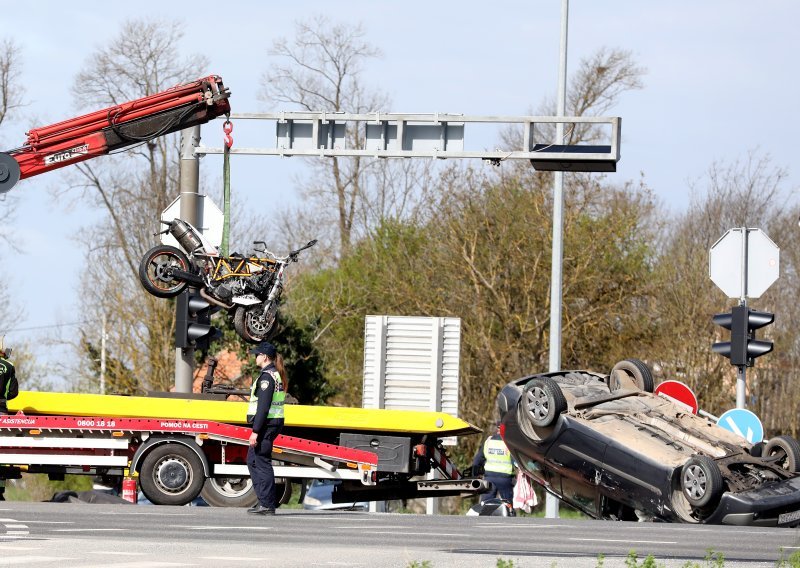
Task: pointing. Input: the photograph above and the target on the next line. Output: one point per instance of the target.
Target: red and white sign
(678, 393)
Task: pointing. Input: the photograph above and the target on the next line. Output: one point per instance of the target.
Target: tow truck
(184, 447)
(195, 444)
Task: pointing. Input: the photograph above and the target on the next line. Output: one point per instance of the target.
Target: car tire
(637, 370)
(787, 451)
(701, 481)
(544, 401)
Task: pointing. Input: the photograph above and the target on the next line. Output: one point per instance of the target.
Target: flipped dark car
(609, 447)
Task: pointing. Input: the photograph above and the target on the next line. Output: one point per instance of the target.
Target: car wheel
(544, 401)
(635, 370)
(701, 481)
(787, 451)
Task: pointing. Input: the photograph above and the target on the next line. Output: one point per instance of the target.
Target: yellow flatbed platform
(299, 416)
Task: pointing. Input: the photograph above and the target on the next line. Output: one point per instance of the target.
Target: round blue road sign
(744, 423)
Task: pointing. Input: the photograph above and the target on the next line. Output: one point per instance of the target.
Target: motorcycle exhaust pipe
(185, 235)
(213, 300)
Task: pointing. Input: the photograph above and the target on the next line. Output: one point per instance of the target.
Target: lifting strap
(227, 128)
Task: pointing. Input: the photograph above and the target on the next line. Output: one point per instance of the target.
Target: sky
(721, 81)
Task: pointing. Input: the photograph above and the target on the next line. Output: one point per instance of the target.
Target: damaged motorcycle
(249, 287)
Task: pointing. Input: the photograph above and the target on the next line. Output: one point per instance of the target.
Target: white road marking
(521, 526)
(88, 530)
(403, 533)
(118, 553)
(233, 558)
(20, 560)
(225, 527)
(18, 526)
(625, 540)
(18, 547)
(137, 564)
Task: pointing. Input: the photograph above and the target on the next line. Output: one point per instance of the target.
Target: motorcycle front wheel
(155, 271)
(253, 325)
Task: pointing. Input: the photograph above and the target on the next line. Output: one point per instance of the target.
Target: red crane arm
(103, 131)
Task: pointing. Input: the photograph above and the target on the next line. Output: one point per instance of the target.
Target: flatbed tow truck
(180, 448)
(184, 447)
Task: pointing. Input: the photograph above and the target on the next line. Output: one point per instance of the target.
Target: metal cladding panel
(412, 363)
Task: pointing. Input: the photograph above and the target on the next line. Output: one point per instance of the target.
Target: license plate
(787, 518)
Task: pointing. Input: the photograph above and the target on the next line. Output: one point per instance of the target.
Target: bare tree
(131, 189)
(11, 100)
(11, 92)
(321, 70)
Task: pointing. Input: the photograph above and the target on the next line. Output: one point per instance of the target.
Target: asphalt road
(68, 535)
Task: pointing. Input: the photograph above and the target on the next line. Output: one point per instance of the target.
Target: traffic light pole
(190, 198)
(741, 378)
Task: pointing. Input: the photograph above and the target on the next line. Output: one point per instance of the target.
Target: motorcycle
(249, 287)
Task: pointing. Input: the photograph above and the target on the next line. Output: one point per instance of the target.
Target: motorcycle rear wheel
(251, 324)
(155, 271)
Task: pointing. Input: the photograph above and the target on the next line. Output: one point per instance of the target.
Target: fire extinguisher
(129, 491)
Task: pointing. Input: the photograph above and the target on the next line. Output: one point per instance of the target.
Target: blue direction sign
(744, 423)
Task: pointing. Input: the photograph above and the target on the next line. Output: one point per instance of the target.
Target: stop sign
(744, 256)
(679, 393)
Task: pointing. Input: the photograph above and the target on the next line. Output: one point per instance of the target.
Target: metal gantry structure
(434, 135)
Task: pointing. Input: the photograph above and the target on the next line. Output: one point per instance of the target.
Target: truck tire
(229, 492)
(171, 474)
(239, 492)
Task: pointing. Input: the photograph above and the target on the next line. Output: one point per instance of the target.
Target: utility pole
(190, 206)
(551, 503)
(103, 357)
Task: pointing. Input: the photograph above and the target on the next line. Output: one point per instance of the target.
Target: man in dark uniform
(9, 388)
(265, 412)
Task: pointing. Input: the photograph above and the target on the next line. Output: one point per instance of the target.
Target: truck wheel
(633, 369)
(229, 492)
(171, 474)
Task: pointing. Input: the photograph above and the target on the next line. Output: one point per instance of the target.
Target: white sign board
(412, 363)
(210, 221)
(744, 257)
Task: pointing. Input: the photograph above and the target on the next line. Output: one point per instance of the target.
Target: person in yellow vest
(498, 468)
(265, 413)
(9, 388)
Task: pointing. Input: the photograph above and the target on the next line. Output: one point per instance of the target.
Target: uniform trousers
(504, 486)
(259, 462)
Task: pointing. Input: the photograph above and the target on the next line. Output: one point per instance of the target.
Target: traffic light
(193, 327)
(743, 347)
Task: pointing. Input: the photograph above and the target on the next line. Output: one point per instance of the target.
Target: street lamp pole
(551, 503)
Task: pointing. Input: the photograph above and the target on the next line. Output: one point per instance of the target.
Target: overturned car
(609, 447)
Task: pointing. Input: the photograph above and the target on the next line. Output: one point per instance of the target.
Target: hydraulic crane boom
(104, 131)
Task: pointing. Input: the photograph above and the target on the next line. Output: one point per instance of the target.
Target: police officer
(265, 412)
(495, 460)
(9, 388)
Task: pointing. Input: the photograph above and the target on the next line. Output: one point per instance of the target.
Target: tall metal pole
(190, 211)
(741, 378)
(551, 503)
(103, 357)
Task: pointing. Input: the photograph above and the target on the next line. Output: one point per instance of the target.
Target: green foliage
(420, 564)
(632, 561)
(793, 561)
(505, 563)
(37, 487)
(119, 379)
